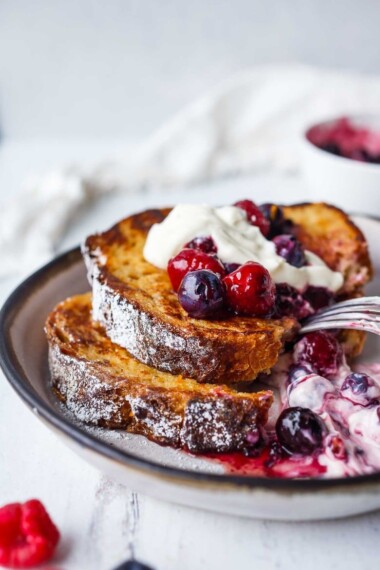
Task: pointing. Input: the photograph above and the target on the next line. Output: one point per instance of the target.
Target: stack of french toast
(128, 356)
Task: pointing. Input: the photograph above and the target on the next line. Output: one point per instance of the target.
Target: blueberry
(300, 431)
(296, 373)
(133, 565)
(278, 223)
(288, 247)
(230, 267)
(358, 383)
(201, 294)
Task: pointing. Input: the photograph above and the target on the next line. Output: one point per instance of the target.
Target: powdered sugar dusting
(83, 391)
(141, 334)
(198, 421)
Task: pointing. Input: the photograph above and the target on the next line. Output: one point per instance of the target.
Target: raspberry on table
(28, 536)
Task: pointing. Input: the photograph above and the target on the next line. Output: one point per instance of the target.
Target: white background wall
(93, 68)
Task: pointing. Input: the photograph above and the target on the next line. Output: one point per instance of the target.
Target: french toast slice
(135, 303)
(102, 384)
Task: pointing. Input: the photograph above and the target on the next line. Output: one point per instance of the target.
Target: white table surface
(103, 523)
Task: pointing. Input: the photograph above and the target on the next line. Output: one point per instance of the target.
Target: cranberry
(230, 267)
(28, 537)
(203, 243)
(357, 383)
(288, 247)
(250, 290)
(318, 297)
(201, 294)
(321, 351)
(290, 302)
(254, 215)
(278, 223)
(300, 431)
(192, 260)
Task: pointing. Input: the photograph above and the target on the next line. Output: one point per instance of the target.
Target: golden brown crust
(103, 385)
(132, 295)
(135, 302)
(329, 232)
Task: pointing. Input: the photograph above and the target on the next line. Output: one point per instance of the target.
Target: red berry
(250, 290)
(203, 243)
(254, 215)
(192, 260)
(321, 351)
(28, 537)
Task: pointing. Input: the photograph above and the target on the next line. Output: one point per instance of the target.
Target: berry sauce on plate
(263, 465)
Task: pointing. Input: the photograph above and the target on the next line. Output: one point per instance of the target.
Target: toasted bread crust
(103, 385)
(135, 303)
(329, 232)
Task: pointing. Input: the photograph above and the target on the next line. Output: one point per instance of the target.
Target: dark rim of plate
(18, 380)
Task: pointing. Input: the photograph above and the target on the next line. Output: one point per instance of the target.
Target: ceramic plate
(158, 471)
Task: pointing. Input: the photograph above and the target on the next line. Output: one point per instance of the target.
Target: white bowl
(144, 466)
(347, 183)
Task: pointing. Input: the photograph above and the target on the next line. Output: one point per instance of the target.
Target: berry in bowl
(341, 162)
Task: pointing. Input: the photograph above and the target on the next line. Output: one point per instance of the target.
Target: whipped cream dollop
(237, 241)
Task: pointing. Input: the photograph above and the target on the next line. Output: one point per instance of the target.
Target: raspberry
(250, 290)
(28, 537)
(254, 215)
(191, 260)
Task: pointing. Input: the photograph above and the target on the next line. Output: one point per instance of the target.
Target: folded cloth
(251, 121)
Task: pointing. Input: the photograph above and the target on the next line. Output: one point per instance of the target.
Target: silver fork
(360, 314)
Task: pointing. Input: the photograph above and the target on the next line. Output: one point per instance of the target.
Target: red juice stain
(263, 465)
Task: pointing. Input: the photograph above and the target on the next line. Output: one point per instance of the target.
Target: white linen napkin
(254, 120)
